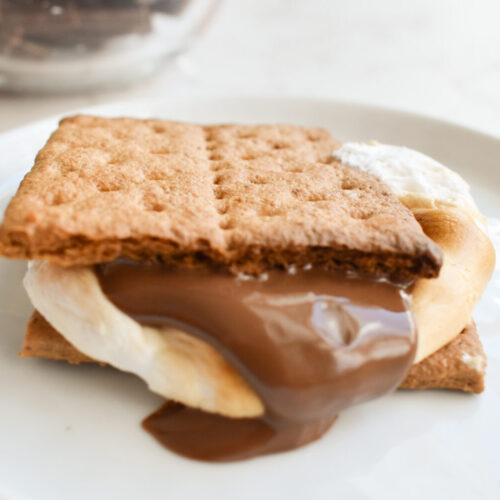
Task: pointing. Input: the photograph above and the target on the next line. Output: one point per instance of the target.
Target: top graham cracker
(244, 197)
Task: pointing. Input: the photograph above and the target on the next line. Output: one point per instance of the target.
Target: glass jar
(82, 45)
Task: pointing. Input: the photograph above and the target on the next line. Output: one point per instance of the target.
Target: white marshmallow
(410, 175)
(174, 364)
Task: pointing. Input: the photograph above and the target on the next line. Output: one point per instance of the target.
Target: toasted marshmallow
(441, 201)
(174, 364)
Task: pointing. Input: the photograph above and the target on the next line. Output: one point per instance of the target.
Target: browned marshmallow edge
(246, 197)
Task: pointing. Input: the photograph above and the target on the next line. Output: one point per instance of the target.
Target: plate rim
(303, 99)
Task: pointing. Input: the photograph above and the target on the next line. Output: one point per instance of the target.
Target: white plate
(73, 432)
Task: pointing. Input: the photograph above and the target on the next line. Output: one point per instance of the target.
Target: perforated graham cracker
(460, 365)
(244, 197)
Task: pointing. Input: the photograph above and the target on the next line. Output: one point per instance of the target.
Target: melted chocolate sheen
(310, 344)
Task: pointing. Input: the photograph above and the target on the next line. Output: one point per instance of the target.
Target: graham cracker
(245, 197)
(42, 340)
(460, 365)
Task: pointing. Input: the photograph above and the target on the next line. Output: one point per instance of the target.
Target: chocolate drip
(310, 344)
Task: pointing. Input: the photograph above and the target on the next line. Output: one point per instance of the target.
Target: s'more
(260, 278)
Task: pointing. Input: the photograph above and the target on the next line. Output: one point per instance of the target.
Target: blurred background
(437, 57)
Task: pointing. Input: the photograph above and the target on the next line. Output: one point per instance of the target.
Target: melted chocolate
(310, 344)
(208, 436)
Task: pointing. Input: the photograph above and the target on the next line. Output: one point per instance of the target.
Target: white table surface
(437, 57)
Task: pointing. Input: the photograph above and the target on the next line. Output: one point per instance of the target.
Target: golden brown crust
(445, 369)
(247, 197)
(458, 365)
